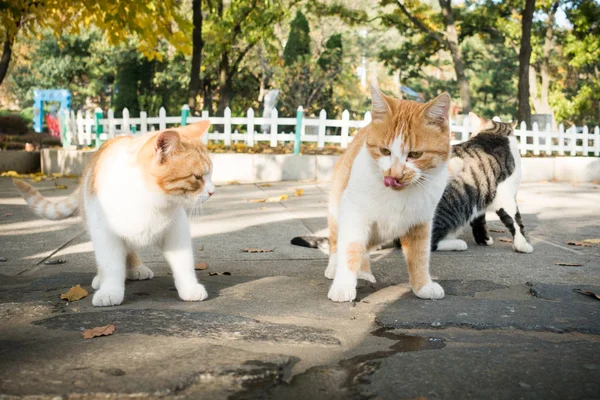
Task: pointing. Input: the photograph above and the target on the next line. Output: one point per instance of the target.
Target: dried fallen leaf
(74, 294)
(8, 214)
(505, 240)
(201, 266)
(226, 273)
(106, 330)
(270, 199)
(595, 182)
(580, 244)
(299, 192)
(253, 250)
(497, 230)
(201, 248)
(592, 241)
(213, 273)
(265, 185)
(233, 183)
(566, 264)
(263, 208)
(587, 293)
(60, 186)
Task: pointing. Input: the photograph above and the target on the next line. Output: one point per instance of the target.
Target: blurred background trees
(321, 54)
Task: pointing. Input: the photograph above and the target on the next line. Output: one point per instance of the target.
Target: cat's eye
(415, 154)
(385, 152)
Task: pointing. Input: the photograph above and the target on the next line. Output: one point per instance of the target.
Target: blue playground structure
(40, 96)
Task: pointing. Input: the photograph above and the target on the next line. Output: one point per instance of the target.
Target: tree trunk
(224, 84)
(198, 44)
(6, 56)
(457, 57)
(545, 68)
(524, 112)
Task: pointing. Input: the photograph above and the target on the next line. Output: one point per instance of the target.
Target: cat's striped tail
(45, 208)
(313, 242)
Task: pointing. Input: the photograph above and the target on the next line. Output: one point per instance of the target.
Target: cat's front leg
(110, 254)
(177, 249)
(416, 247)
(351, 255)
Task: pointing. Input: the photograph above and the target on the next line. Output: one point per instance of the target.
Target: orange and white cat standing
(387, 185)
(134, 192)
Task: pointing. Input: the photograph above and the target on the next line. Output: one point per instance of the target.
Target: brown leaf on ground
(233, 183)
(270, 199)
(60, 186)
(253, 250)
(587, 293)
(265, 185)
(595, 182)
(74, 294)
(505, 240)
(201, 248)
(106, 330)
(592, 241)
(566, 264)
(580, 244)
(497, 230)
(299, 192)
(263, 208)
(201, 266)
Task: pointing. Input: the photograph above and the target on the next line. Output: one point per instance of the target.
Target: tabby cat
(486, 175)
(134, 192)
(387, 185)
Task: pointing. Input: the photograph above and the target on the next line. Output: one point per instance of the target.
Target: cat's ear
(165, 143)
(380, 109)
(437, 111)
(195, 130)
(475, 123)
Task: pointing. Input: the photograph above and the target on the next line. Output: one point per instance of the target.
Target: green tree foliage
(298, 43)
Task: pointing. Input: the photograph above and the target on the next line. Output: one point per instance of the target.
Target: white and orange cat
(134, 193)
(385, 186)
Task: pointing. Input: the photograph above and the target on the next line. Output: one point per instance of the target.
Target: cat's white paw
(367, 276)
(96, 282)
(330, 271)
(432, 290)
(195, 292)
(139, 273)
(489, 241)
(452, 245)
(106, 297)
(342, 292)
(521, 245)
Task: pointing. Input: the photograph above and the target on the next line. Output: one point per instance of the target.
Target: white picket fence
(80, 129)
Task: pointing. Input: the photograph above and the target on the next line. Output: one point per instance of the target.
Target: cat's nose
(210, 194)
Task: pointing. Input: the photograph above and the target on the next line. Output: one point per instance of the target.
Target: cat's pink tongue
(390, 181)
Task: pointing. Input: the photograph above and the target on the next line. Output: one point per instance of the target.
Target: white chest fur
(390, 212)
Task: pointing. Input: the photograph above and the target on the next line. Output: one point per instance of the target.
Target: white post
(227, 126)
(573, 140)
(205, 137)
(597, 141)
(345, 120)
(586, 145)
(250, 130)
(536, 139)
(143, 122)
(89, 123)
(111, 123)
(549, 139)
(367, 118)
(322, 127)
(125, 128)
(80, 128)
(162, 115)
(274, 116)
(523, 138)
(561, 140)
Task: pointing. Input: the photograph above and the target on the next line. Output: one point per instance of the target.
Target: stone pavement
(511, 325)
